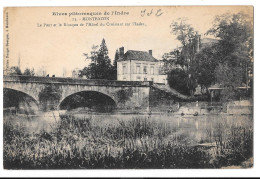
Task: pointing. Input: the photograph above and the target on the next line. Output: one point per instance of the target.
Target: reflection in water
(197, 128)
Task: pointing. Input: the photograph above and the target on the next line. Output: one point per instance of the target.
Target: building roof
(209, 40)
(138, 56)
(206, 42)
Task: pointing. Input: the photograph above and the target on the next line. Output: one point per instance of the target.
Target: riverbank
(243, 107)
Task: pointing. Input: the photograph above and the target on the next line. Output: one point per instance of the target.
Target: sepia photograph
(128, 87)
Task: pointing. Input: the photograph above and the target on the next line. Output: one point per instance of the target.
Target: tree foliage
(184, 32)
(29, 72)
(114, 67)
(14, 70)
(100, 66)
(123, 95)
(49, 94)
(230, 60)
(235, 32)
(181, 59)
(181, 81)
(204, 66)
(116, 59)
(227, 62)
(41, 71)
(188, 37)
(235, 47)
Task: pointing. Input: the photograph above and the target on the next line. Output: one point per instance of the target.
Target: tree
(183, 31)
(116, 59)
(14, 70)
(180, 76)
(236, 37)
(41, 71)
(29, 72)
(50, 94)
(229, 77)
(204, 66)
(172, 60)
(100, 66)
(229, 61)
(114, 67)
(181, 81)
(235, 32)
(188, 37)
(124, 95)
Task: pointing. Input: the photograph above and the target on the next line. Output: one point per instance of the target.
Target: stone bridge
(125, 94)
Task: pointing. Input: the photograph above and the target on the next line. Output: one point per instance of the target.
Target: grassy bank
(85, 143)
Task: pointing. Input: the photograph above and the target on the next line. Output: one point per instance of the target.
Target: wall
(203, 108)
(240, 107)
(133, 75)
(121, 76)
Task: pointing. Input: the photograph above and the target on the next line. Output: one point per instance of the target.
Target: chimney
(121, 52)
(151, 52)
(198, 43)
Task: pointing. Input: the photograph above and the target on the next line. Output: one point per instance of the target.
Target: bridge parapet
(58, 80)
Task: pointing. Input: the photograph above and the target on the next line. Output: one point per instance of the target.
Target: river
(198, 129)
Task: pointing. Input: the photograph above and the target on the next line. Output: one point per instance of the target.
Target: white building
(139, 66)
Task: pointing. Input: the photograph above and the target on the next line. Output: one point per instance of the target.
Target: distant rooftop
(138, 56)
(209, 40)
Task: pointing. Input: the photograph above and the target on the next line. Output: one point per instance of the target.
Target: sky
(60, 49)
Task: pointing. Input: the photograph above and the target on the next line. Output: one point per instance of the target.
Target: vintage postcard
(142, 87)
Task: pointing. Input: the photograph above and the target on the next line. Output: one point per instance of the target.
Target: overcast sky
(61, 48)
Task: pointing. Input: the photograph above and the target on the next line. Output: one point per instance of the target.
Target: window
(124, 79)
(124, 69)
(138, 69)
(145, 69)
(145, 79)
(151, 79)
(138, 78)
(152, 70)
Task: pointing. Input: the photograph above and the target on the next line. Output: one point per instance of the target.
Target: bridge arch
(20, 100)
(24, 93)
(30, 89)
(88, 98)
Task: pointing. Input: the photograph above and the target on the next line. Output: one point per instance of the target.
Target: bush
(178, 79)
(85, 143)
